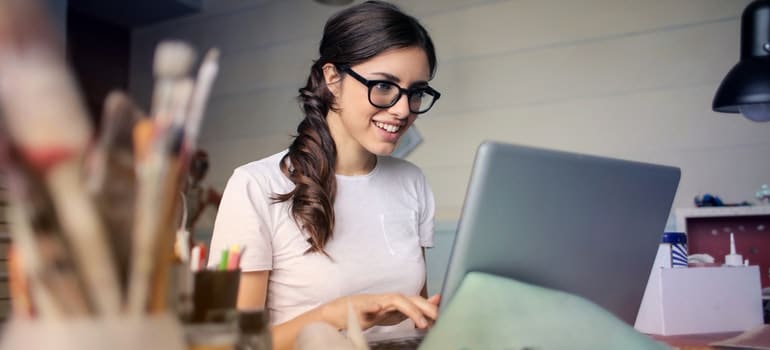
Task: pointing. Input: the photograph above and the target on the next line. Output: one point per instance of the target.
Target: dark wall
(99, 53)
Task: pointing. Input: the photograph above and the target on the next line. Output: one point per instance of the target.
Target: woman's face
(359, 125)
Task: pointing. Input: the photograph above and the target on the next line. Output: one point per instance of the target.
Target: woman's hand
(382, 309)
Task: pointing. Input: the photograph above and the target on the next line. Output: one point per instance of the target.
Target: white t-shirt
(382, 221)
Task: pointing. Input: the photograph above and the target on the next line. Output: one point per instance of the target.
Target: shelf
(709, 229)
(682, 214)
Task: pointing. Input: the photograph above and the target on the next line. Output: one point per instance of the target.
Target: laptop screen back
(582, 224)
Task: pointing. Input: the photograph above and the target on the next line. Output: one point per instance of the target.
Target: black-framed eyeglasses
(385, 93)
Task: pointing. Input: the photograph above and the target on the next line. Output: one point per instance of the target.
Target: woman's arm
(252, 291)
(252, 294)
(372, 309)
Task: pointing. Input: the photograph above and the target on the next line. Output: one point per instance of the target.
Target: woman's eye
(383, 87)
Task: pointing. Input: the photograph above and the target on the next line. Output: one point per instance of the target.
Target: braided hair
(351, 36)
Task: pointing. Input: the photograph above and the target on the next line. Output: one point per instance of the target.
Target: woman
(334, 219)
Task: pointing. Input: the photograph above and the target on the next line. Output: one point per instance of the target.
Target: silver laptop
(582, 224)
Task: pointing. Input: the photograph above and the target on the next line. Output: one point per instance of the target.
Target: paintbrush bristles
(206, 75)
(173, 59)
(212, 55)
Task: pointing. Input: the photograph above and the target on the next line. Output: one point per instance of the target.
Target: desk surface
(693, 341)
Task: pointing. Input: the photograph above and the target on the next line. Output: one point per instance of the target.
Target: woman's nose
(401, 108)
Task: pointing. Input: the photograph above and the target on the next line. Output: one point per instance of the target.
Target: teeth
(387, 127)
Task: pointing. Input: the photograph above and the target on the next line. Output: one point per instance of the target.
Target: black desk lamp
(746, 88)
(334, 2)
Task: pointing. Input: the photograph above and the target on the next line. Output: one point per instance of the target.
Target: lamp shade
(746, 88)
(334, 2)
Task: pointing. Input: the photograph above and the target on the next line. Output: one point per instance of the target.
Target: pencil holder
(222, 335)
(255, 333)
(215, 293)
(230, 329)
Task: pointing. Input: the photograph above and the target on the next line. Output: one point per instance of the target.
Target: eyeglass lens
(385, 94)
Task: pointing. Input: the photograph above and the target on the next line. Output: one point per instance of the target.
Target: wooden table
(693, 341)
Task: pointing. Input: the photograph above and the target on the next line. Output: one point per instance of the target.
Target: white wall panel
(251, 115)
(226, 155)
(622, 78)
(279, 66)
(584, 70)
(516, 25)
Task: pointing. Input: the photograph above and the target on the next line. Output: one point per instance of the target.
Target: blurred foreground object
(92, 216)
(320, 335)
(198, 195)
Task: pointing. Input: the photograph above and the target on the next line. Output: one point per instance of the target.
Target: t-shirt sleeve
(243, 219)
(427, 213)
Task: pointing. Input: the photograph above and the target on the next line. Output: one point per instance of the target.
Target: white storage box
(701, 300)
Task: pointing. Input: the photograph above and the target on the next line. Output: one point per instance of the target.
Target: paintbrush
(112, 158)
(171, 63)
(150, 169)
(206, 75)
(48, 124)
(44, 304)
(171, 204)
(24, 25)
(24, 246)
(190, 125)
(156, 171)
(47, 261)
(114, 146)
(190, 120)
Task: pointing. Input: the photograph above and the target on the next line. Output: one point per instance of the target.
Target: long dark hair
(351, 36)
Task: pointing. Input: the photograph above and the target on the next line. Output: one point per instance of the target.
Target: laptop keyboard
(397, 344)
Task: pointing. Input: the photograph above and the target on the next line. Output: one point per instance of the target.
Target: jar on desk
(254, 328)
(675, 245)
(212, 336)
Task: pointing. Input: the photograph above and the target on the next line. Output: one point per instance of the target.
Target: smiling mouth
(388, 127)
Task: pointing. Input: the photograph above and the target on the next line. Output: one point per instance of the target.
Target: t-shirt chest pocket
(401, 234)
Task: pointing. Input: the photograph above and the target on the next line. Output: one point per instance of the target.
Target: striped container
(678, 243)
